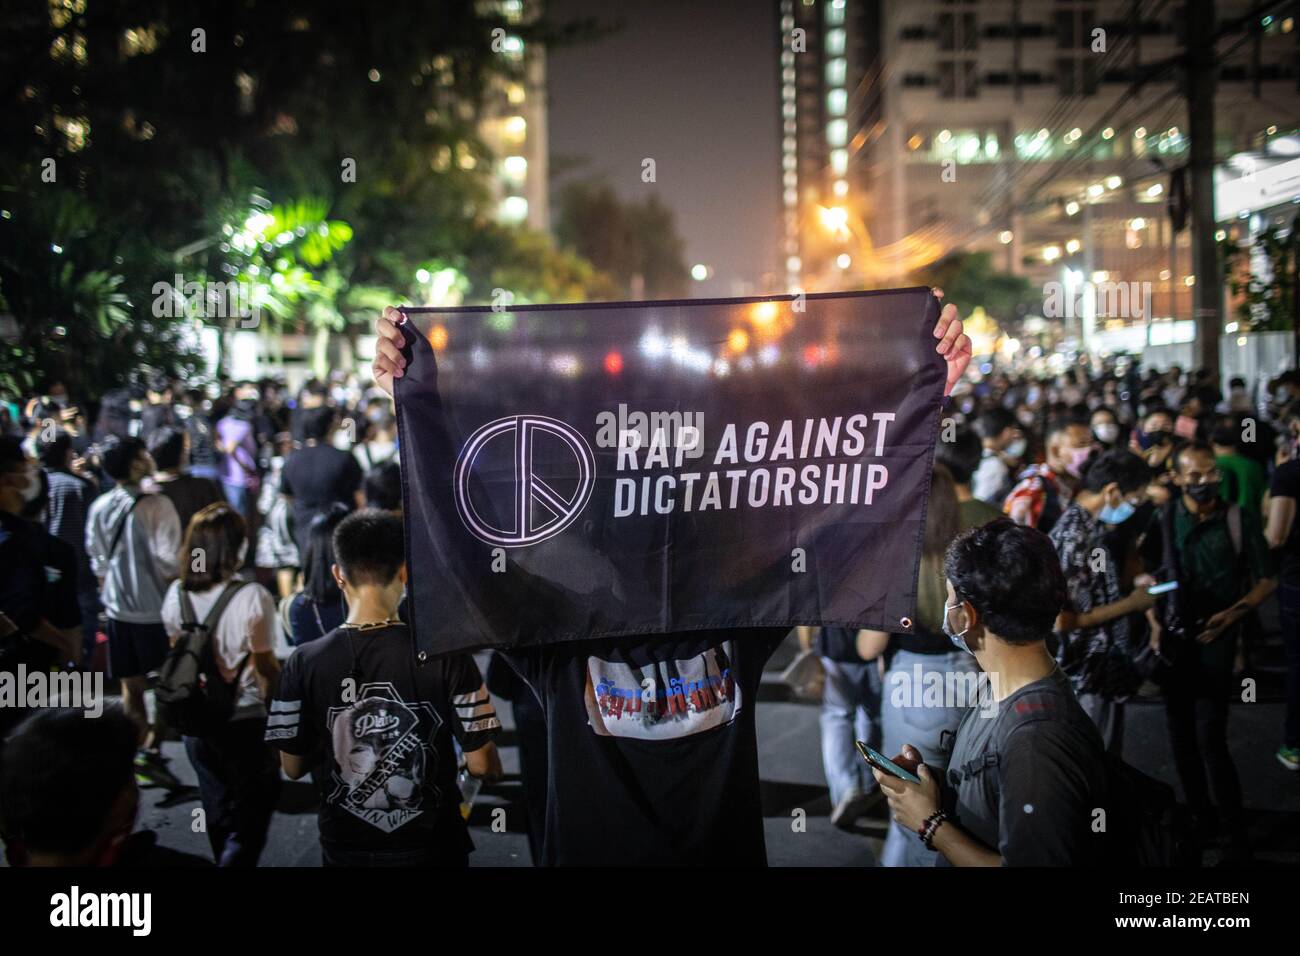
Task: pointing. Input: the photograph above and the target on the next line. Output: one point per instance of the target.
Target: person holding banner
(626, 790)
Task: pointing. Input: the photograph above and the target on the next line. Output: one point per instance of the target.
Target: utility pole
(1201, 79)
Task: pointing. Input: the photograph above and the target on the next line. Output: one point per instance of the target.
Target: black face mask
(1203, 493)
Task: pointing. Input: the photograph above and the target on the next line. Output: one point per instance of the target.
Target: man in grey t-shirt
(1028, 771)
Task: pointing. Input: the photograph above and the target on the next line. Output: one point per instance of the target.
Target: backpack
(192, 696)
(1145, 824)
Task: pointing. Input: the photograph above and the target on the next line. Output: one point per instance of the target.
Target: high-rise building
(1044, 131)
(513, 121)
(828, 107)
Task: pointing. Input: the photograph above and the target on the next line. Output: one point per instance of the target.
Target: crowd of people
(1170, 510)
(1089, 537)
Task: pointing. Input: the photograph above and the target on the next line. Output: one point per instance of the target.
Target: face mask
(1203, 493)
(341, 441)
(1118, 514)
(1017, 448)
(1026, 419)
(1106, 432)
(1074, 459)
(958, 640)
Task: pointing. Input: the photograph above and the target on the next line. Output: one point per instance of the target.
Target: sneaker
(854, 807)
(151, 771)
(1289, 757)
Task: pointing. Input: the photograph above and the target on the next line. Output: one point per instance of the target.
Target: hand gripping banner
(593, 470)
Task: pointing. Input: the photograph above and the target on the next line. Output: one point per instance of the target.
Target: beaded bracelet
(930, 827)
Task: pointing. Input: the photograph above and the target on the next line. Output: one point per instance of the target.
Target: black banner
(605, 469)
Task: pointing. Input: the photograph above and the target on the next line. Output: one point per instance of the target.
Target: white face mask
(1017, 448)
(1106, 432)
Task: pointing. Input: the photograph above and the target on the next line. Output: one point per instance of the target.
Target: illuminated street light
(834, 218)
(1005, 237)
(699, 272)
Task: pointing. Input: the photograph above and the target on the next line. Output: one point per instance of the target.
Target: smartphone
(1162, 588)
(883, 763)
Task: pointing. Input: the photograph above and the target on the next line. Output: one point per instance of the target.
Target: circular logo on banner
(536, 473)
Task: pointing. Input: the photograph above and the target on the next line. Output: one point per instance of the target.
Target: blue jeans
(239, 783)
(910, 717)
(235, 495)
(850, 712)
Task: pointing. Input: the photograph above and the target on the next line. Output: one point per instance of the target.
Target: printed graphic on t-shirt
(383, 757)
(664, 700)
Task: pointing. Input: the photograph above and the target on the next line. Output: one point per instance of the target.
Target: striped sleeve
(288, 722)
(476, 720)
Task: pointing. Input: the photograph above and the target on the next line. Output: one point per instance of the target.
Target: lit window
(839, 161)
(513, 209)
(835, 13)
(835, 42)
(836, 71)
(837, 132)
(515, 168)
(837, 102)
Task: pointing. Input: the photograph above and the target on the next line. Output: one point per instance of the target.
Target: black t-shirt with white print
(653, 750)
(379, 726)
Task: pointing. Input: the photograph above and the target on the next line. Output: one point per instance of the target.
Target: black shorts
(135, 649)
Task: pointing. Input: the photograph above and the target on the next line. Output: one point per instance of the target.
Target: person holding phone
(1026, 776)
(1093, 645)
(1218, 554)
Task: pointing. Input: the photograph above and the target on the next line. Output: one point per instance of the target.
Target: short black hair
(117, 454)
(60, 772)
(1194, 447)
(1226, 431)
(314, 386)
(1011, 575)
(961, 456)
(317, 422)
(383, 486)
(369, 546)
(992, 423)
(12, 456)
(166, 445)
(53, 452)
(1118, 465)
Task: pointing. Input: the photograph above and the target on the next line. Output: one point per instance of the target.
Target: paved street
(790, 763)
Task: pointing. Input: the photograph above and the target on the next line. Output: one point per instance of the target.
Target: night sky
(693, 85)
